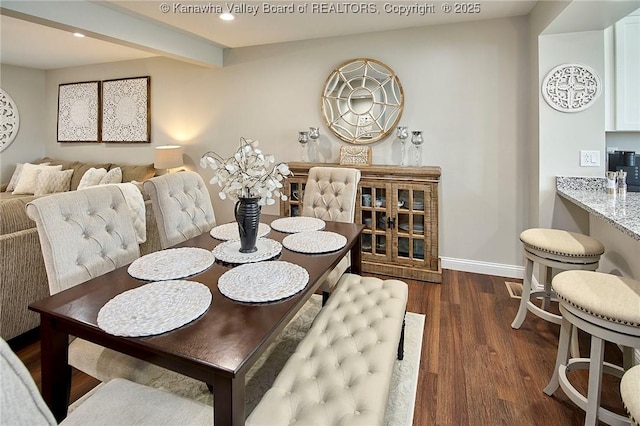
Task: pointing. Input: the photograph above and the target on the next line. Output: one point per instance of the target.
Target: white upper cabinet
(627, 74)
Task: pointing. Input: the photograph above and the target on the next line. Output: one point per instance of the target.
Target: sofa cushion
(14, 217)
(92, 177)
(27, 182)
(81, 168)
(138, 173)
(66, 165)
(15, 177)
(51, 181)
(113, 176)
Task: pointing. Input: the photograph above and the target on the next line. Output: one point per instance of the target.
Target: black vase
(247, 212)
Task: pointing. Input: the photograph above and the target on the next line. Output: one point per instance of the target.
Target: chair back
(83, 234)
(20, 400)
(330, 193)
(182, 206)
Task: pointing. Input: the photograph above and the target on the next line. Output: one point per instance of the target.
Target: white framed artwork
(78, 112)
(571, 87)
(125, 110)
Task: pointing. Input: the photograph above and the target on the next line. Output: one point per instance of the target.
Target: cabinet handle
(391, 223)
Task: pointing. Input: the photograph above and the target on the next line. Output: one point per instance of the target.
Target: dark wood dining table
(217, 348)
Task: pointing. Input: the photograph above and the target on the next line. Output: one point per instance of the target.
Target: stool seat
(605, 296)
(607, 307)
(561, 243)
(630, 391)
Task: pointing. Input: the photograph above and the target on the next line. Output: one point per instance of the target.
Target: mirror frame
(385, 92)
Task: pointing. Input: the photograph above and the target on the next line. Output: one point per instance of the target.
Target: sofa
(23, 278)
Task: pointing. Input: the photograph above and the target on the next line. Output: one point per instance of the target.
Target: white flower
(246, 174)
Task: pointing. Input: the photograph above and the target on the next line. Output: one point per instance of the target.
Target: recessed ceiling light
(227, 17)
(79, 35)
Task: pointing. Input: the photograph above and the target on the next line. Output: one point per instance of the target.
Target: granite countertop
(621, 211)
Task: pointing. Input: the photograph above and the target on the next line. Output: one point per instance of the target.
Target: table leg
(56, 373)
(228, 401)
(356, 256)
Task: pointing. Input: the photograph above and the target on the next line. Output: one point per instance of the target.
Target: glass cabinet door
(373, 201)
(412, 219)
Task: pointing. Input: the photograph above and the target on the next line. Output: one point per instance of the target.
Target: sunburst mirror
(362, 101)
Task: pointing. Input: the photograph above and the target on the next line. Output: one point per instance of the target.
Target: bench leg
(325, 297)
(401, 343)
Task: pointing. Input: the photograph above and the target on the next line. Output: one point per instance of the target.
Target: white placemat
(171, 264)
(263, 282)
(229, 231)
(314, 242)
(229, 251)
(292, 225)
(154, 308)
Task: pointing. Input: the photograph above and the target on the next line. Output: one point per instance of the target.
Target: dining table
(217, 348)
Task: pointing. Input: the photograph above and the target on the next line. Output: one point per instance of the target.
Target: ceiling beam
(109, 24)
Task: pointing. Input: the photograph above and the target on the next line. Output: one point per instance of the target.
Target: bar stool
(630, 392)
(608, 308)
(553, 248)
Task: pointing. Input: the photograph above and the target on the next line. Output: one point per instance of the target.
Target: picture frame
(126, 115)
(79, 112)
(355, 155)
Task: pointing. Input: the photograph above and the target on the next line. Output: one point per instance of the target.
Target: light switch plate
(589, 158)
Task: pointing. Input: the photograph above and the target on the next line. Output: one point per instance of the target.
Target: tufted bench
(340, 373)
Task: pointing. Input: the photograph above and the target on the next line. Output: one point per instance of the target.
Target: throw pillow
(92, 177)
(50, 181)
(27, 182)
(15, 177)
(113, 176)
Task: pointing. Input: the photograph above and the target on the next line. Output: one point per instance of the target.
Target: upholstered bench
(341, 371)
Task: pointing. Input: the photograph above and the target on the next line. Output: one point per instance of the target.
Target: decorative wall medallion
(78, 107)
(9, 120)
(125, 110)
(571, 87)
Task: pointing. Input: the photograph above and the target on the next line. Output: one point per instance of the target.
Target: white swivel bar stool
(630, 392)
(553, 249)
(608, 308)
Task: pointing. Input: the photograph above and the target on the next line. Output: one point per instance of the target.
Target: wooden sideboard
(399, 208)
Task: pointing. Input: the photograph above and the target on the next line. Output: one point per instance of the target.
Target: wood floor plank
(475, 369)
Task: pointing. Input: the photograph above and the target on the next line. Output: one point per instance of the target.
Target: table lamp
(168, 157)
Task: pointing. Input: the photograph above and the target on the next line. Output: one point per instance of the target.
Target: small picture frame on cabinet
(355, 156)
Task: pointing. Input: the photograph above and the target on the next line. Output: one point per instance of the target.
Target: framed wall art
(125, 110)
(79, 112)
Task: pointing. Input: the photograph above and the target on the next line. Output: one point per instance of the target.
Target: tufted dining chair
(330, 194)
(182, 206)
(84, 234)
(117, 402)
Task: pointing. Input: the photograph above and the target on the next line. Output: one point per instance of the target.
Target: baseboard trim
(479, 267)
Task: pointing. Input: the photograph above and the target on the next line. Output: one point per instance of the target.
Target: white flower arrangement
(246, 174)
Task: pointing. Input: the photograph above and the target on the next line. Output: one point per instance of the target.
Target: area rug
(262, 375)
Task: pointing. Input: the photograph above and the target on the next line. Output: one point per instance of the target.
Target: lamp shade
(168, 157)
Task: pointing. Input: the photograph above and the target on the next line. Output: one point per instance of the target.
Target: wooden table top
(226, 339)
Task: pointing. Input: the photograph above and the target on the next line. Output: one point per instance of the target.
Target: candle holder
(314, 135)
(303, 138)
(402, 133)
(417, 140)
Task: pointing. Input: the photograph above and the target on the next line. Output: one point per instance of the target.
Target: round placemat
(170, 264)
(229, 251)
(263, 282)
(314, 242)
(154, 308)
(292, 225)
(229, 231)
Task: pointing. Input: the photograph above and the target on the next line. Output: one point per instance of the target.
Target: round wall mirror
(362, 101)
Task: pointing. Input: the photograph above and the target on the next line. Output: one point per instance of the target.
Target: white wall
(563, 135)
(463, 86)
(26, 88)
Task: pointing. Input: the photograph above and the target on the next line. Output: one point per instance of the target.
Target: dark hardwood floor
(475, 369)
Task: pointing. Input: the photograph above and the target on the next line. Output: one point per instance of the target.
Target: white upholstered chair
(330, 194)
(182, 206)
(118, 402)
(84, 234)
